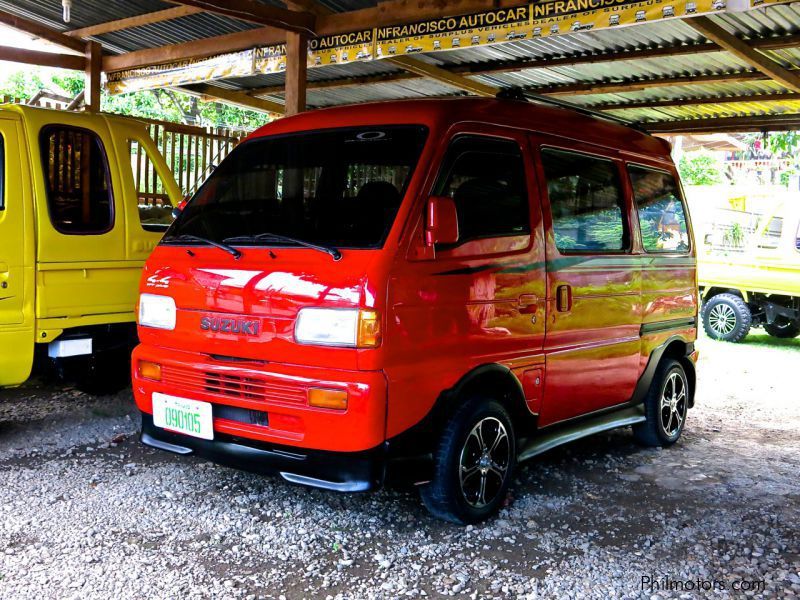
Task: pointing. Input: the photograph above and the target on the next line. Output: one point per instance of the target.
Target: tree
(699, 169)
(164, 105)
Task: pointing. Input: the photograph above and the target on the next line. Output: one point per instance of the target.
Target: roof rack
(518, 93)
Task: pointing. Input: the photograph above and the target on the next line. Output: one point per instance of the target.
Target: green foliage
(784, 142)
(699, 169)
(152, 104)
(734, 236)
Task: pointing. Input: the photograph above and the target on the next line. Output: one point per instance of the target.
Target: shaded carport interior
(722, 72)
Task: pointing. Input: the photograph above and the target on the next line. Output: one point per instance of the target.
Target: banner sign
(493, 27)
(270, 59)
(234, 64)
(341, 48)
(539, 19)
(570, 16)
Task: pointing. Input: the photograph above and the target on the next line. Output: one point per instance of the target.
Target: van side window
(486, 179)
(586, 202)
(662, 214)
(771, 237)
(77, 179)
(155, 208)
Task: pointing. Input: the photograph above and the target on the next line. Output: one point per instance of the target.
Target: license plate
(185, 416)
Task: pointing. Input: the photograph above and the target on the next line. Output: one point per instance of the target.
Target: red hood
(246, 308)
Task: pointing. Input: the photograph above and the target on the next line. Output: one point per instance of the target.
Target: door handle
(528, 304)
(563, 298)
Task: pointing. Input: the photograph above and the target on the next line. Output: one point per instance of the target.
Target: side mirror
(442, 221)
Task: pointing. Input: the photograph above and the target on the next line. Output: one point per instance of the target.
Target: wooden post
(296, 67)
(94, 66)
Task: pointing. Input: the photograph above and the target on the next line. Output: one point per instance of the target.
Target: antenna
(518, 93)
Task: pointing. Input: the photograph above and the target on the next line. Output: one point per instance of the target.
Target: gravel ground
(87, 512)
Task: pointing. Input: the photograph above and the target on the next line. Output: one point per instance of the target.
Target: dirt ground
(87, 512)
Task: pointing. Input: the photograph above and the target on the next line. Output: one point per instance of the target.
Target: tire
(727, 318)
(476, 426)
(103, 373)
(784, 330)
(666, 406)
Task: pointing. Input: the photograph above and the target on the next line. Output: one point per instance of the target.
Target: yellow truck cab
(74, 234)
(758, 286)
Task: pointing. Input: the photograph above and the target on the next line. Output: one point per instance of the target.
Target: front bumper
(338, 471)
(266, 402)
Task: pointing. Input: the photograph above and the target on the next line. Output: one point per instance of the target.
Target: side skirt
(547, 440)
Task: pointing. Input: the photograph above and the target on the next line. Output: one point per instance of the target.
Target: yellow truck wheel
(726, 317)
(783, 329)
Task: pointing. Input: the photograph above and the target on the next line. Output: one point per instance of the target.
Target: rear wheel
(726, 317)
(783, 329)
(666, 406)
(473, 463)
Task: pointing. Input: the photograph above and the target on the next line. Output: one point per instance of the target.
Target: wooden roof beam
(425, 69)
(745, 52)
(41, 31)
(616, 87)
(772, 43)
(390, 12)
(130, 22)
(253, 11)
(240, 40)
(43, 59)
(726, 124)
(696, 101)
(212, 93)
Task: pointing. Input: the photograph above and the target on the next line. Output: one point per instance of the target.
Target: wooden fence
(191, 152)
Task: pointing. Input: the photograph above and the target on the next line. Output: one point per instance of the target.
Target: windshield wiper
(334, 252)
(188, 237)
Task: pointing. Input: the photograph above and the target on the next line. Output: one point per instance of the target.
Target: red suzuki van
(432, 290)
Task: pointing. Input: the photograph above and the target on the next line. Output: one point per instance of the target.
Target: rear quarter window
(77, 180)
(661, 209)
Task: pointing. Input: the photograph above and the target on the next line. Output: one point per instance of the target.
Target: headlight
(338, 327)
(157, 311)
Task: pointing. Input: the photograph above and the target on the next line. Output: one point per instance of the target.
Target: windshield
(338, 188)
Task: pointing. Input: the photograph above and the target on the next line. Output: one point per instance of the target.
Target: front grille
(242, 415)
(252, 387)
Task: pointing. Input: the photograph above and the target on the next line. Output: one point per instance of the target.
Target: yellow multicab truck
(759, 287)
(74, 234)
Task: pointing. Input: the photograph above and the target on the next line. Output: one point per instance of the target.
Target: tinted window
(339, 187)
(486, 179)
(77, 179)
(662, 214)
(586, 202)
(155, 209)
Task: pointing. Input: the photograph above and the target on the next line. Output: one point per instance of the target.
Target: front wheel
(783, 329)
(666, 406)
(473, 463)
(726, 317)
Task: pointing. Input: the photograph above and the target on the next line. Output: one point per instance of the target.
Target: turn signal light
(322, 398)
(369, 329)
(149, 370)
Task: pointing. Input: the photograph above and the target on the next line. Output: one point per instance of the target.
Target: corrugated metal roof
(770, 21)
